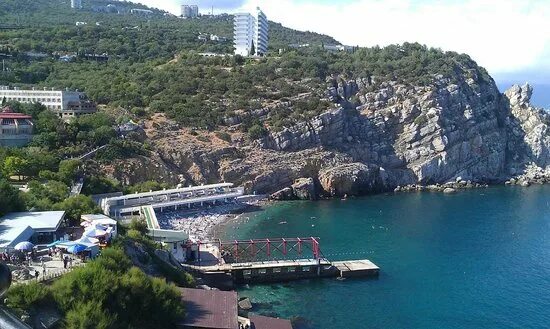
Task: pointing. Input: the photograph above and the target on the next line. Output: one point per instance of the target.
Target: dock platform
(356, 268)
(280, 271)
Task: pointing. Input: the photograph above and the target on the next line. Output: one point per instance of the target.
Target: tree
(76, 206)
(10, 198)
(14, 166)
(23, 297)
(68, 170)
(109, 288)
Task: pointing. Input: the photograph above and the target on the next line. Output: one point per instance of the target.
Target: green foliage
(68, 170)
(88, 315)
(76, 206)
(115, 295)
(173, 274)
(14, 166)
(100, 184)
(420, 120)
(23, 297)
(43, 196)
(257, 131)
(10, 197)
(146, 187)
(139, 226)
(224, 136)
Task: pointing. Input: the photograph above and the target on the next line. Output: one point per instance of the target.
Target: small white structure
(107, 222)
(251, 33)
(37, 227)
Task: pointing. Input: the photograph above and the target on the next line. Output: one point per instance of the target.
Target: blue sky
(511, 38)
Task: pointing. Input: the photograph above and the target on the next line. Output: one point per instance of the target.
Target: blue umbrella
(76, 248)
(25, 245)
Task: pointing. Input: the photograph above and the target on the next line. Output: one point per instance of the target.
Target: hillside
(348, 122)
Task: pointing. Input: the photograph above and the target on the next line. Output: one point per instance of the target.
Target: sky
(508, 37)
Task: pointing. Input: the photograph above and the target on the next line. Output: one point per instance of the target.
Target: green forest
(155, 63)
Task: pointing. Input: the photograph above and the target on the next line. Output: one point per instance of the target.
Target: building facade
(15, 128)
(76, 4)
(251, 33)
(65, 104)
(189, 11)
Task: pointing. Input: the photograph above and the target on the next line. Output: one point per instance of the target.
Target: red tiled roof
(7, 113)
(209, 309)
(264, 322)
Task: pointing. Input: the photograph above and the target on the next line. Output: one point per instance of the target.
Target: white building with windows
(65, 104)
(251, 33)
(189, 11)
(76, 4)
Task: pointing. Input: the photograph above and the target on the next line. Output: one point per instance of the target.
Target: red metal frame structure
(270, 249)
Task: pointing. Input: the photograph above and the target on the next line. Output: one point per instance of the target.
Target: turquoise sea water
(475, 259)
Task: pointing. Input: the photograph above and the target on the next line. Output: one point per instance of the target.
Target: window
(306, 269)
(292, 269)
(277, 270)
(262, 271)
(175, 246)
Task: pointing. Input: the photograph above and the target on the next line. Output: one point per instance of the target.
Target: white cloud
(501, 35)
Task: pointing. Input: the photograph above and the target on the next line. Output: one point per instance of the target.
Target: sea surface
(474, 259)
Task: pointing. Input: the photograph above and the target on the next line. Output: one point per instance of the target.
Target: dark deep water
(475, 259)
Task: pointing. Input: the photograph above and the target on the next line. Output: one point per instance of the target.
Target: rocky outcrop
(528, 130)
(379, 135)
(351, 179)
(304, 189)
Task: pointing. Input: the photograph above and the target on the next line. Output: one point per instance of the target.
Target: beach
(205, 224)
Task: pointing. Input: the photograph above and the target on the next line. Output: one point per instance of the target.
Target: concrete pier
(288, 270)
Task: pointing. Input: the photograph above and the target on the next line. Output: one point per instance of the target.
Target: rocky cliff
(378, 135)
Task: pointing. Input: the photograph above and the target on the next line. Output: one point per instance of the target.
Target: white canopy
(104, 221)
(88, 240)
(94, 232)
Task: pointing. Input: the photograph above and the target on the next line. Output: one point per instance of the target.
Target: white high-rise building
(76, 4)
(189, 11)
(251, 34)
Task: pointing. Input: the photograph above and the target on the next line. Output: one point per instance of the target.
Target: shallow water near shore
(475, 259)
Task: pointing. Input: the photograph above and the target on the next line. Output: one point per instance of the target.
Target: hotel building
(65, 104)
(251, 34)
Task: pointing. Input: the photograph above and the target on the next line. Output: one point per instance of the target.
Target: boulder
(304, 189)
(449, 190)
(245, 304)
(284, 194)
(351, 179)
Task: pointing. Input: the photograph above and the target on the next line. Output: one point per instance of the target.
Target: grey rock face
(304, 189)
(398, 135)
(351, 179)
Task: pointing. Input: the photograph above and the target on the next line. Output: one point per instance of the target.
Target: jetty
(274, 260)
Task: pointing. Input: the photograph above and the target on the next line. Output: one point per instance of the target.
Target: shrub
(224, 136)
(23, 297)
(257, 131)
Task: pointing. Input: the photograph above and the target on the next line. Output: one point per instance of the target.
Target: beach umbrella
(25, 245)
(94, 232)
(76, 248)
